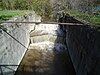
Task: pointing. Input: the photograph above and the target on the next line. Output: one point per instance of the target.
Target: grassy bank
(6, 14)
(92, 18)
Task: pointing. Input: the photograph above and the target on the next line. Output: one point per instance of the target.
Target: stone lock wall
(11, 52)
(83, 43)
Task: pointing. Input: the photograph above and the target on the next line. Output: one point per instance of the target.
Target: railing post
(1, 70)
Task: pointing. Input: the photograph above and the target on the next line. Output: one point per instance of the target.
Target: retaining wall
(12, 52)
(83, 43)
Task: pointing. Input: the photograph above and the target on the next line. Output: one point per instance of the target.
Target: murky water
(47, 54)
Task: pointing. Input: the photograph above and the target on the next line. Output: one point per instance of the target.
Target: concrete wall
(83, 44)
(11, 52)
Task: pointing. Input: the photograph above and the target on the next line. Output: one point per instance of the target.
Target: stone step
(50, 38)
(46, 27)
(47, 46)
(43, 32)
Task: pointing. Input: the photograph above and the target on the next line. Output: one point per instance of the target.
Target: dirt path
(47, 54)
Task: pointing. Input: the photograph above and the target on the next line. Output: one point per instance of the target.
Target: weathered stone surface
(11, 52)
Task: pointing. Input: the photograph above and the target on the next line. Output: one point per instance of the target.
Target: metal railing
(40, 22)
(68, 24)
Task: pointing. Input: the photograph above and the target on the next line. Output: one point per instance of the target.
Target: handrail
(41, 22)
(68, 24)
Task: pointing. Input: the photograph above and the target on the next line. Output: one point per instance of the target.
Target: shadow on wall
(83, 44)
(62, 61)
